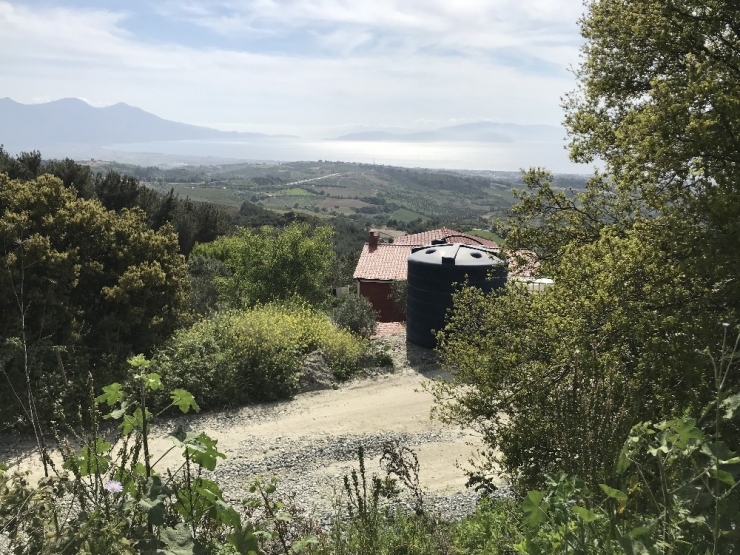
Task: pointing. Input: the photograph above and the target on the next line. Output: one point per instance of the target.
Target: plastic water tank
(433, 273)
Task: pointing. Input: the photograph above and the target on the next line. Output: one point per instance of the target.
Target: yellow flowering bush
(254, 355)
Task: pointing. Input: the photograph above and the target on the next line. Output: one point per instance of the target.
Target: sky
(304, 67)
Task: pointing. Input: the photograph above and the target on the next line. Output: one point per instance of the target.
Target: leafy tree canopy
(79, 284)
(270, 264)
(644, 260)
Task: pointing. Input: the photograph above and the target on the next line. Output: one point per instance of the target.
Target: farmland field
(376, 195)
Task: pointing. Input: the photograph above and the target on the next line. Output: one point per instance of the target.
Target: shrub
(399, 293)
(494, 529)
(255, 355)
(355, 313)
(269, 264)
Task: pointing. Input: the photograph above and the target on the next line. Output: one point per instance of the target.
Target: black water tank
(432, 275)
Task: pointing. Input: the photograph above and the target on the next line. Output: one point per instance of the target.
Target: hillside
(382, 195)
(71, 120)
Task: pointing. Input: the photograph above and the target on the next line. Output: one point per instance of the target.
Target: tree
(644, 260)
(81, 288)
(269, 264)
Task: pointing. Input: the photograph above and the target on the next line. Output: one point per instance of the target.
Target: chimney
(372, 240)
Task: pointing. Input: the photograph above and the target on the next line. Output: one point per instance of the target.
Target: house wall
(377, 293)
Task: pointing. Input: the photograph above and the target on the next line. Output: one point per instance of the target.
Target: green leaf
(112, 394)
(535, 509)
(624, 461)
(184, 401)
(686, 430)
(91, 460)
(722, 476)
(139, 361)
(118, 413)
(613, 493)
(202, 451)
(179, 541)
(300, 545)
(153, 500)
(153, 381)
(730, 404)
(282, 516)
(244, 540)
(134, 421)
(584, 514)
(639, 531)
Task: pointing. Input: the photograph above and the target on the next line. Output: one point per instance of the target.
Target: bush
(355, 313)
(399, 293)
(255, 355)
(494, 529)
(271, 264)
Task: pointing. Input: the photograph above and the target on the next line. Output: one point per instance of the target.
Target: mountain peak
(73, 120)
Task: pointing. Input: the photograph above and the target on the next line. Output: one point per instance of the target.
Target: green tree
(269, 264)
(80, 287)
(644, 260)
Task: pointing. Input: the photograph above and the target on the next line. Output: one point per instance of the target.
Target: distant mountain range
(73, 121)
(485, 131)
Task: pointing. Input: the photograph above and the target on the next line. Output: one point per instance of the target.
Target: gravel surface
(311, 442)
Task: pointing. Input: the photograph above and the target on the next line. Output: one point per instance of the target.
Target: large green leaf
(93, 459)
(179, 541)
(184, 401)
(613, 493)
(584, 514)
(535, 509)
(153, 500)
(244, 540)
(111, 395)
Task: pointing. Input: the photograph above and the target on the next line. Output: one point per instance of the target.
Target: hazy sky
(308, 67)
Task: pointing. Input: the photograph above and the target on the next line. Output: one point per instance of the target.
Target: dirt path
(311, 441)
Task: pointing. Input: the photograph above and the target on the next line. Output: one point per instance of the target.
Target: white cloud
(385, 62)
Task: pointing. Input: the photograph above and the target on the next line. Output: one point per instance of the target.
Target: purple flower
(112, 486)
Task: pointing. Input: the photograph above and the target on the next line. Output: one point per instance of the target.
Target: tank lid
(455, 254)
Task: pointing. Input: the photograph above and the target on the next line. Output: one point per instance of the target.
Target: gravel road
(311, 441)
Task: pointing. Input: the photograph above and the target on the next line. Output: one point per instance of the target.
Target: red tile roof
(389, 261)
(384, 262)
(426, 237)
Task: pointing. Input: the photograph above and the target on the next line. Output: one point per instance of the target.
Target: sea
(437, 155)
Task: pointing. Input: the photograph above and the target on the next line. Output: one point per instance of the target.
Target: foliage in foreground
(254, 355)
(110, 497)
(81, 287)
(675, 492)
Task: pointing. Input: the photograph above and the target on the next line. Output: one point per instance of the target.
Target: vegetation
(81, 287)
(234, 357)
(597, 398)
(355, 313)
(192, 221)
(269, 264)
(600, 383)
(109, 496)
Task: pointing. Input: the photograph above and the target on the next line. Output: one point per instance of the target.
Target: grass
(294, 192)
(405, 215)
(485, 234)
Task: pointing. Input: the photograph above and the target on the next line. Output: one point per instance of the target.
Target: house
(381, 264)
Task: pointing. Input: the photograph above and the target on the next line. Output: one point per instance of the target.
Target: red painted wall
(377, 293)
